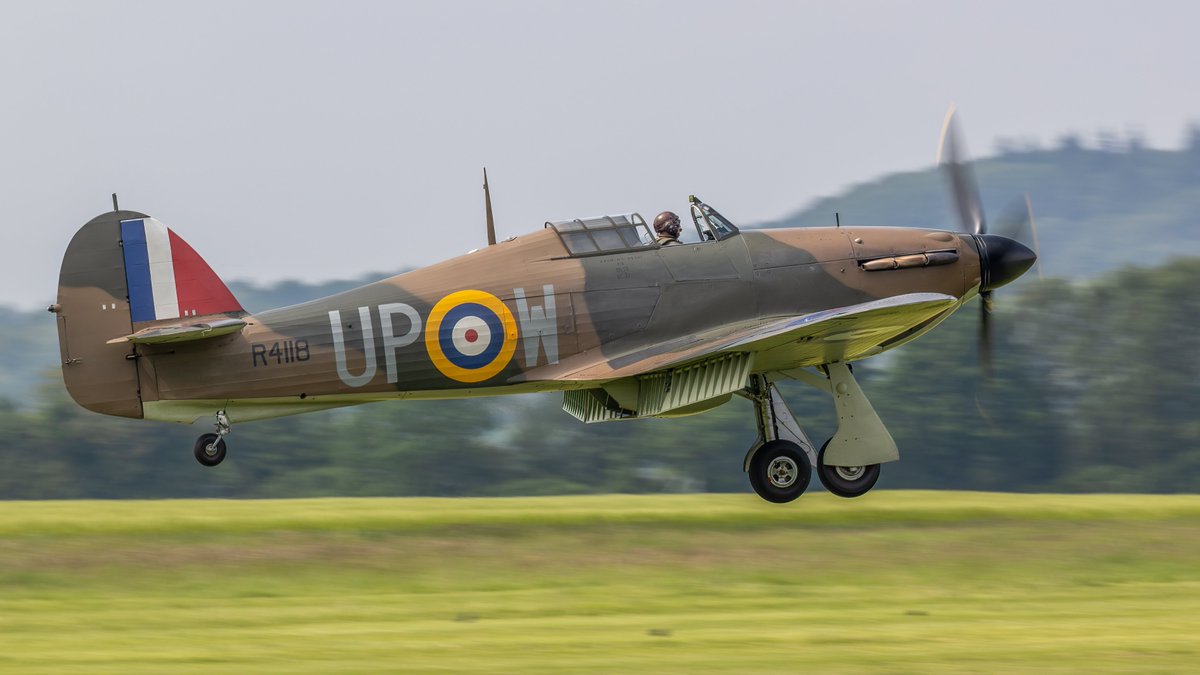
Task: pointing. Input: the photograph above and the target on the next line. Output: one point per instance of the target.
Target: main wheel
(846, 481)
(780, 471)
(209, 450)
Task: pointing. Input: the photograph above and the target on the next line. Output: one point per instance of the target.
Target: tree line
(1095, 387)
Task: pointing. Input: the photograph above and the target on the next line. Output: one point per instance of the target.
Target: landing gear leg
(848, 464)
(210, 448)
(780, 461)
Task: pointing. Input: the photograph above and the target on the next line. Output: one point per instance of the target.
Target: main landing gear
(780, 471)
(781, 461)
(846, 481)
(210, 448)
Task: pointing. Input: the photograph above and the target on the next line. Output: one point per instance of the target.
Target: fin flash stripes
(166, 278)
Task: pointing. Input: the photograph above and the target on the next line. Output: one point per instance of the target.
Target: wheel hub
(782, 472)
(850, 472)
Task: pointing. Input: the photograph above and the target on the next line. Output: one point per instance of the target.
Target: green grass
(893, 582)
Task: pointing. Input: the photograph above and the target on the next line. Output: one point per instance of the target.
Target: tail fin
(121, 272)
(167, 278)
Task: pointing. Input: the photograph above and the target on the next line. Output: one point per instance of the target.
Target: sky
(325, 140)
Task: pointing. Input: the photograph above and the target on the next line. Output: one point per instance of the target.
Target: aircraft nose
(1001, 260)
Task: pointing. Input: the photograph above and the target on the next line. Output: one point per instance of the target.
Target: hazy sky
(328, 139)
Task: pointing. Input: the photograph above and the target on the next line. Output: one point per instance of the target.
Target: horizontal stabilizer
(182, 332)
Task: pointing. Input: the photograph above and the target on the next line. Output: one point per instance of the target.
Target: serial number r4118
(288, 351)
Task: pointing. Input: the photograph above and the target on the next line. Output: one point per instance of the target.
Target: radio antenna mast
(487, 202)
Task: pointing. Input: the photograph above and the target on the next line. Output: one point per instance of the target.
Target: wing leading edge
(820, 337)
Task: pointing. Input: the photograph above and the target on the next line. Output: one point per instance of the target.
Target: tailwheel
(780, 471)
(210, 449)
(846, 481)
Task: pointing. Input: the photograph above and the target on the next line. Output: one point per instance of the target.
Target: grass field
(894, 582)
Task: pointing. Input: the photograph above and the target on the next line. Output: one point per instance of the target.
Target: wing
(820, 337)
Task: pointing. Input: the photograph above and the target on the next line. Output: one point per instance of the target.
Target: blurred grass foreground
(895, 582)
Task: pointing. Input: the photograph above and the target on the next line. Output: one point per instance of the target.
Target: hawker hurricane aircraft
(594, 308)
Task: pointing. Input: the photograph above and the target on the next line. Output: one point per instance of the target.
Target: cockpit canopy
(710, 225)
(604, 234)
(629, 232)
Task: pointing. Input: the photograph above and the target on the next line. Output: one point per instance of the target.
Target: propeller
(1016, 222)
(952, 156)
(1001, 258)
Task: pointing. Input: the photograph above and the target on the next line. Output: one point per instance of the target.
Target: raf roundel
(470, 336)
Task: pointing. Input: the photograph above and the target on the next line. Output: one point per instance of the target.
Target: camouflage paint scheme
(567, 322)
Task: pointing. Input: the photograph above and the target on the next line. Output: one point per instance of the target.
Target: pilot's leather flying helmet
(667, 223)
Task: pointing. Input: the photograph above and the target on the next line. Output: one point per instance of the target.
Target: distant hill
(1096, 209)
(256, 298)
(30, 350)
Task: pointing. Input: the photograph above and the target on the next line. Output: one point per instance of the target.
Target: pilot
(666, 226)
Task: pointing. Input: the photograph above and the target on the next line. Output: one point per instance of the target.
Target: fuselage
(481, 323)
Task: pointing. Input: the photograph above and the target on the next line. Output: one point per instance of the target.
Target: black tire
(780, 471)
(846, 481)
(209, 450)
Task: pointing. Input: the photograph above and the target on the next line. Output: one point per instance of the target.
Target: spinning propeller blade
(952, 156)
(1001, 258)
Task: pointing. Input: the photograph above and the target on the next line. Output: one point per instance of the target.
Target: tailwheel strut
(210, 448)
